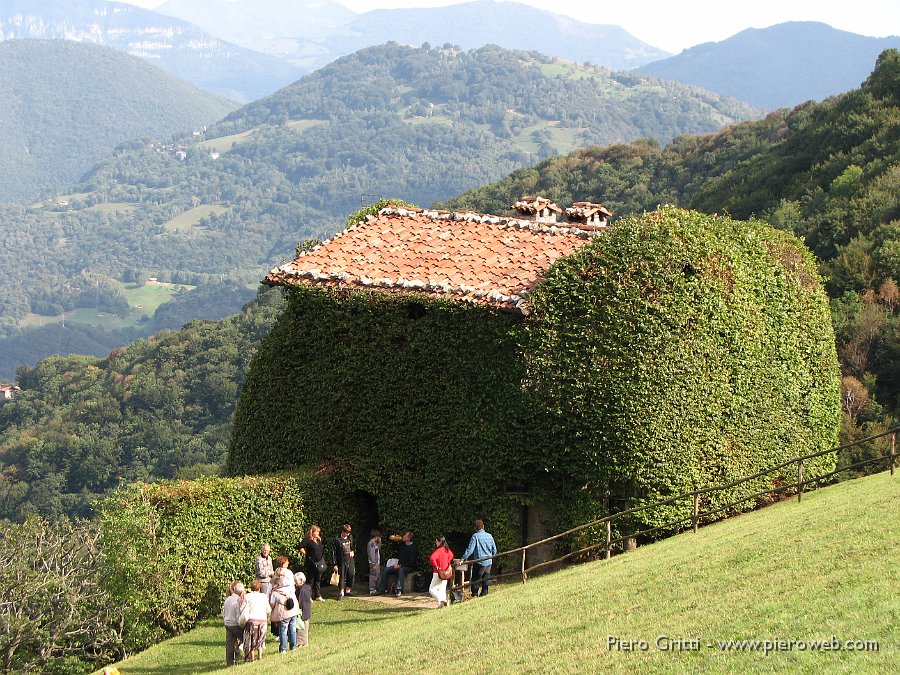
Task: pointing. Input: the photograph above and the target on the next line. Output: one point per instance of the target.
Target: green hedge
(172, 547)
(676, 350)
(682, 350)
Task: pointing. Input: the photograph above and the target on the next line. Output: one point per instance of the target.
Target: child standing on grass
(304, 603)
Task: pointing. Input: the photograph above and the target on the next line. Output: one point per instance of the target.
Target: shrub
(682, 351)
(55, 616)
(172, 547)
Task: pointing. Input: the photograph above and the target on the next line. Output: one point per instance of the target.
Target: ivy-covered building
(446, 366)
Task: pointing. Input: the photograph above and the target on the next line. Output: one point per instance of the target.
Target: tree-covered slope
(159, 408)
(779, 66)
(422, 123)
(65, 105)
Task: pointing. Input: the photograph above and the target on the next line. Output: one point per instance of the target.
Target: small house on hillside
(8, 392)
(400, 346)
(535, 372)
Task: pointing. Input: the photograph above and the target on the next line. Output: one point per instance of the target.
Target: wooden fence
(802, 483)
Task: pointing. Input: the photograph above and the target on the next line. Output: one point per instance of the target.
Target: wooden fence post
(799, 479)
(608, 539)
(524, 575)
(893, 451)
(696, 518)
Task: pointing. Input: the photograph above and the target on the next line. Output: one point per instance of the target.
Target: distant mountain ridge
(779, 66)
(65, 105)
(172, 44)
(312, 33)
(421, 124)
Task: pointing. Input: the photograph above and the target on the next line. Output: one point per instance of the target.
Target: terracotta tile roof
(473, 257)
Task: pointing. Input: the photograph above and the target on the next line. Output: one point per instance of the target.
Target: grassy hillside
(64, 105)
(824, 567)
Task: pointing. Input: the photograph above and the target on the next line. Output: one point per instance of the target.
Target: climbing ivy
(414, 401)
(675, 351)
(680, 351)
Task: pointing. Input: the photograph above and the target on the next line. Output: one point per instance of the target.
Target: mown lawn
(827, 567)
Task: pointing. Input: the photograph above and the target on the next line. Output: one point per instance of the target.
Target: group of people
(284, 598)
(278, 597)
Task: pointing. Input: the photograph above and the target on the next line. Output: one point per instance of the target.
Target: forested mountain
(64, 105)
(183, 49)
(159, 408)
(779, 66)
(828, 171)
(390, 120)
(312, 34)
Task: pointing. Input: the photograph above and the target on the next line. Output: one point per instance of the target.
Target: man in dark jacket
(406, 563)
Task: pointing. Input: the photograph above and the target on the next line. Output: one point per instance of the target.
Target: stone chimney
(537, 209)
(588, 214)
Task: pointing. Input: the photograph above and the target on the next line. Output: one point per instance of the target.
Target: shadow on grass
(199, 667)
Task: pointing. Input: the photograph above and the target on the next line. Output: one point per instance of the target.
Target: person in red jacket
(441, 560)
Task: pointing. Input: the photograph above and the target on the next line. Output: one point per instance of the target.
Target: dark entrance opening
(367, 507)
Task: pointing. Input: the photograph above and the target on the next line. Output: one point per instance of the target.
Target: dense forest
(64, 105)
(159, 408)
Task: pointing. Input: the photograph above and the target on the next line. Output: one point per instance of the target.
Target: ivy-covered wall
(683, 350)
(172, 547)
(675, 351)
(416, 402)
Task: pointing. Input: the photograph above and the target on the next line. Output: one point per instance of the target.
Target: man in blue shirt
(481, 545)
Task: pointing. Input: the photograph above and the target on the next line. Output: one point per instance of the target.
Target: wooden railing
(802, 483)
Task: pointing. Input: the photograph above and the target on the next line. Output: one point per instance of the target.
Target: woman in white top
(258, 610)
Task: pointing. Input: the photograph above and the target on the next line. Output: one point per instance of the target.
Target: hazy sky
(675, 24)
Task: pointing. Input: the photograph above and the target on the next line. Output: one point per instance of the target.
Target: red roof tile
(472, 257)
